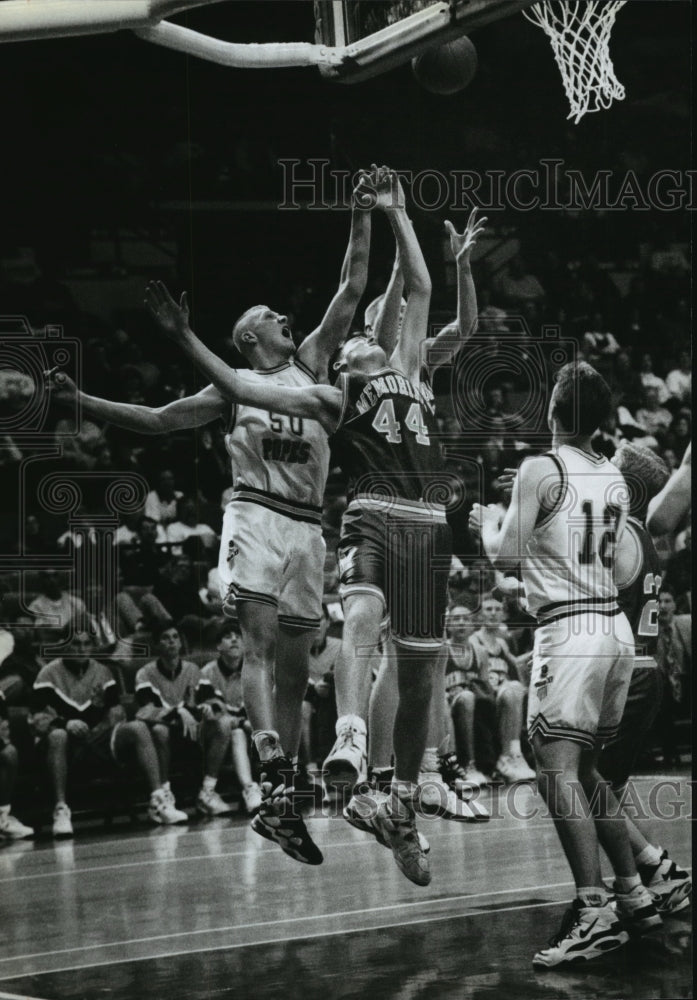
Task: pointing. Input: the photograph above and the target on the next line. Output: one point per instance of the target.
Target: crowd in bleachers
(164, 618)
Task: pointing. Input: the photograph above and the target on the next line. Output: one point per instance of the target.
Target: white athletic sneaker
(434, 798)
(62, 827)
(637, 910)
(670, 886)
(586, 932)
(513, 768)
(163, 810)
(347, 763)
(12, 829)
(251, 796)
(209, 803)
(474, 777)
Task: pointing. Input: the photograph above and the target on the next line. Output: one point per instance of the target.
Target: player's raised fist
(170, 316)
(390, 194)
(364, 194)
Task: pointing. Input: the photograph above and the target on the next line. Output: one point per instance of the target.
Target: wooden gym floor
(212, 910)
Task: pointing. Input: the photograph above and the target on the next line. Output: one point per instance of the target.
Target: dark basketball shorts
(401, 552)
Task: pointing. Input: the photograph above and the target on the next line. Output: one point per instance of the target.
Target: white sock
(649, 856)
(350, 721)
(514, 748)
(402, 798)
(258, 733)
(592, 895)
(209, 783)
(4, 810)
(625, 884)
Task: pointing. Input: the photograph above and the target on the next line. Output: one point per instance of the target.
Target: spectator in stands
(650, 380)
(79, 442)
(598, 342)
(20, 668)
(517, 285)
(674, 658)
(170, 693)
(74, 537)
(653, 417)
(609, 437)
(679, 380)
(36, 539)
(177, 589)
(224, 676)
(54, 606)
(10, 826)
(81, 727)
(142, 559)
(505, 695)
(465, 672)
(680, 433)
(678, 575)
(187, 525)
(627, 382)
(161, 503)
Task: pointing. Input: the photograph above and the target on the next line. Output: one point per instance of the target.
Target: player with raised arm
(567, 512)
(395, 545)
(437, 779)
(272, 550)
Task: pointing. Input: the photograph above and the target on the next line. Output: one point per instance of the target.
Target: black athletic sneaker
(279, 817)
(586, 932)
(670, 886)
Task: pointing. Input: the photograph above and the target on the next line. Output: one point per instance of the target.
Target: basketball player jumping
(272, 550)
(567, 512)
(396, 544)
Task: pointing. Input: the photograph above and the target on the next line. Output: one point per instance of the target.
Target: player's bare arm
(181, 414)
(407, 355)
(442, 348)
(670, 507)
(386, 331)
(505, 542)
(318, 402)
(450, 340)
(316, 350)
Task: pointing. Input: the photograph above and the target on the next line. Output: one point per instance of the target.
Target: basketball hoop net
(579, 31)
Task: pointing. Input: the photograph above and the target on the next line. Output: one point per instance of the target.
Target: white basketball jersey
(568, 569)
(278, 461)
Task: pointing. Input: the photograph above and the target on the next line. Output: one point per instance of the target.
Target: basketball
(447, 68)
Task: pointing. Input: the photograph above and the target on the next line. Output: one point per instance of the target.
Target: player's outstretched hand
(60, 385)
(462, 244)
(170, 316)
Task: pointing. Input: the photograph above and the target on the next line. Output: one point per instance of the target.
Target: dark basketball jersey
(638, 597)
(386, 439)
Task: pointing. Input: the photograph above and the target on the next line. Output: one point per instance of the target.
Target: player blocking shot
(568, 512)
(396, 545)
(272, 551)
